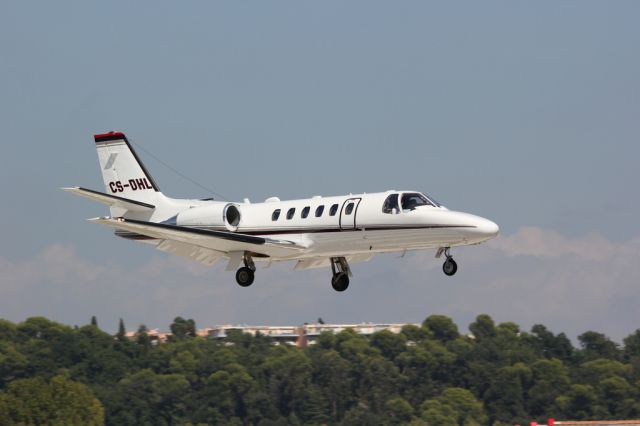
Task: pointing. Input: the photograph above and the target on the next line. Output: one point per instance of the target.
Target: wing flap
(220, 241)
(111, 200)
(205, 256)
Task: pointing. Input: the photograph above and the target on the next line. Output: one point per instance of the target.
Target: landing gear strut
(246, 274)
(341, 272)
(449, 267)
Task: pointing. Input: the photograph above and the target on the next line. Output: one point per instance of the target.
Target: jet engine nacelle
(217, 215)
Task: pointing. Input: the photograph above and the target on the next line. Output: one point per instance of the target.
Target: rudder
(123, 173)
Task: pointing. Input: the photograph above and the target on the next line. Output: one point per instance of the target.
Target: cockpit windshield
(412, 200)
(409, 201)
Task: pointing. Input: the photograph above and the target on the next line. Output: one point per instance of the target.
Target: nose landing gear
(449, 267)
(246, 274)
(341, 273)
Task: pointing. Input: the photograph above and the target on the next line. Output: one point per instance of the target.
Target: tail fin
(123, 173)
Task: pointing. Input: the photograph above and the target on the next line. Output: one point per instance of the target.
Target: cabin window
(319, 211)
(334, 210)
(305, 212)
(390, 205)
(412, 200)
(275, 215)
(349, 209)
(291, 212)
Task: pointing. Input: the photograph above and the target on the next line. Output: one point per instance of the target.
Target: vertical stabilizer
(123, 173)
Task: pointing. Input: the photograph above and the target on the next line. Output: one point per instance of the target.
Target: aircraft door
(348, 213)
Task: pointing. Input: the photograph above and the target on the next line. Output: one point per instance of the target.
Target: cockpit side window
(411, 200)
(390, 205)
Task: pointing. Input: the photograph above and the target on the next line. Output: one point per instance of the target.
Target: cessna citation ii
(316, 232)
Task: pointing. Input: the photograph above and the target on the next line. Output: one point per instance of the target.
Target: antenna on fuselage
(182, 175)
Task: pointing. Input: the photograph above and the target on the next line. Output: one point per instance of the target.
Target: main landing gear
(246, 274)
(341, 272)
(449, 267)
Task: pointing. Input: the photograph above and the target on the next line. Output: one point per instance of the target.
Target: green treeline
(430, 375)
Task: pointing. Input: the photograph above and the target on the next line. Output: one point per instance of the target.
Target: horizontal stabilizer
(111, 200)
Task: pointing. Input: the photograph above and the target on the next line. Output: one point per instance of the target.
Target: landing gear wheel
(245, 276)
(340, 281)
(449, 267)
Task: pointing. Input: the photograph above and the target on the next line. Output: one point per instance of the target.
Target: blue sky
(526, 113)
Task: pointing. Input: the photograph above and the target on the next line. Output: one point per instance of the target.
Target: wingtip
(100, 219)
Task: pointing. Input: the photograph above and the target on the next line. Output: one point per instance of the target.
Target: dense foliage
(429, 375)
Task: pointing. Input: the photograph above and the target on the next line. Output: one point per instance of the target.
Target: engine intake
(232, 217)
(220, 216)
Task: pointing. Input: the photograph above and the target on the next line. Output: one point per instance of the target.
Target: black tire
(340, 281)
(244, 276)
(449, 267)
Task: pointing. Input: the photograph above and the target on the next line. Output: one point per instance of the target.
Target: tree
(398, 411)
(506, 395)
(597, 345)
(145, 397)
(455, 406)
(60, 401)
(224, 395)
(389, 344)
(593, 372)
(414, 333)
(550, 345)
(94, 321)
(181, 328)
(12, 362)
(331, 373)
(618, 395)
(379, 381)
(578, 403)
(314, 407)
(483, 327)
(551, 379)
(122, 333)
(142, 337)
(442, 327)
(288, 374)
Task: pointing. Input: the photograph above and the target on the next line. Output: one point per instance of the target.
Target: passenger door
(348, 213)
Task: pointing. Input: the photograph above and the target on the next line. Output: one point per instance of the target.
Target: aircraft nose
(487, 227)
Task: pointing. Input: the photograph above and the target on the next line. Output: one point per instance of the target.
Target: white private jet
(317, 231)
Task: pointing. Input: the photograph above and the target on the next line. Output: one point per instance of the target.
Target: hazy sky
(527, 113)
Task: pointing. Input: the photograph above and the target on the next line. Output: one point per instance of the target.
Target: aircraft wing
(222, 242)
(111, 200)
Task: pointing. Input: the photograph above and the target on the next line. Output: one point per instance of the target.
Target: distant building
(292, 335)
(155, 336)
(299, 335)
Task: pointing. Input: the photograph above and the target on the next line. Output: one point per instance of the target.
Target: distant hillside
(424, 375)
